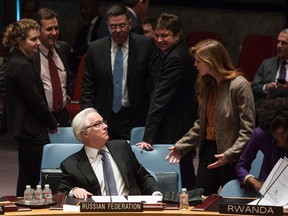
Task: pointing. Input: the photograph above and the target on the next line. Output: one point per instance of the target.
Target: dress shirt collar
(93, 152)
(44, 50)
(93, 21)
(115, 45)
(131, 10)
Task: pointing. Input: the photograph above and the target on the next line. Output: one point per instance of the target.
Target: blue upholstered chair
(155, 161)
(233, 189)
(65, 135)
(55, 153)
(136, 135)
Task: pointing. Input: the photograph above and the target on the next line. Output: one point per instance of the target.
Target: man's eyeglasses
(115, 26)
(98, 124)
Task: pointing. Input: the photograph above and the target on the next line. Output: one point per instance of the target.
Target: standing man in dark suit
(49, 32)
(137, 10)
(93, 28)
(83, 172)
(139, 64)
(265, 84)
(173, 107)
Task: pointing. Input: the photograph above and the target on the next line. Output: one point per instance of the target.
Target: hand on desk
(81, 193)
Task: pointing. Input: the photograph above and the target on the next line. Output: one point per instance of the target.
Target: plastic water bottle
(184, 200)
(47, 194)
(38, 196)
(28, 195)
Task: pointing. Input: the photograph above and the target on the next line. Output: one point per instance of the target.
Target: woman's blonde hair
(216, 55)
(18, 30)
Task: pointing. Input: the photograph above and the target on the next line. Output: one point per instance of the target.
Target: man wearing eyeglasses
(121, 98)
(84, 173)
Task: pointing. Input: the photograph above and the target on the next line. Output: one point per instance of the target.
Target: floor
(8, 166)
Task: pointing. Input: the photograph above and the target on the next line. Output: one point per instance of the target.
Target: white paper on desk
(109, 199)
(277, 187)
(147, 199)
(71, 208)
(271, 176)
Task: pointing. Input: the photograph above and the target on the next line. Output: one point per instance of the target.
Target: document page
(276, 189)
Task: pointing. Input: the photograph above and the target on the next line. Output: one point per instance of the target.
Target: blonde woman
(26, 116)
(226, 117)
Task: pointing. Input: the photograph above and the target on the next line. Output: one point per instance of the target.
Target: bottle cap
(28, 186)
(184, 189)
(46, 185)
(38, 186)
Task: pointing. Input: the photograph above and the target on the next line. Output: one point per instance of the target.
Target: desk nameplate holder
(243, 209)
(111, 206)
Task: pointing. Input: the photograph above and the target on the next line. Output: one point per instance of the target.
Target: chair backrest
(155, 160)
(255, 49)
(55, 153)
(194, 37)
(136, 135)
(167, 181)
(257, 164)
(233, 189)
(65, 135)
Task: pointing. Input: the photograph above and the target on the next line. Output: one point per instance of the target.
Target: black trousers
(120, 124)
(188, 171)
(29, 162)
(211, 179)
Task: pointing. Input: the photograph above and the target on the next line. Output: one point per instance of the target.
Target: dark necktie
(282, 74)
(110, 183)
(56, 84)
(117, 80)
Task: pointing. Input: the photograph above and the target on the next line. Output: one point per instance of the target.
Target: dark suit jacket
(99, 30)
(173, 107)
(136, 26)
(97, 86)
(78, 172)
(266, 74)
(26, 111)
(63, 50)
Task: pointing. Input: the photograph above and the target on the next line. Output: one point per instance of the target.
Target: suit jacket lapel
(85, 167)
(120, 161)
(131, 56)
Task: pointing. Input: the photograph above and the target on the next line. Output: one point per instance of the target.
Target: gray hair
(80, 123)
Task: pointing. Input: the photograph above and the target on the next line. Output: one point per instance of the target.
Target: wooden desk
(47, 212)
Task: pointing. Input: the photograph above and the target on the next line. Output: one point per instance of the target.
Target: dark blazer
(97, 86)
(78, 172)
(173, 107)
(260, 141)
(63, 50)
(266, 73)
(26, 110)
(136, 26)
(99, 30)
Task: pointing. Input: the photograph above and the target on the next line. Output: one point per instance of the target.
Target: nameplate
(1, 210)
(111, 207)
(250, 209)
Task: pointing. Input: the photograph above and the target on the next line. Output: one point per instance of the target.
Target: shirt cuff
(246, 178)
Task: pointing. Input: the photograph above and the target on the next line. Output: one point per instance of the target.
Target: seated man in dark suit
(83, 174)
(266, 82)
